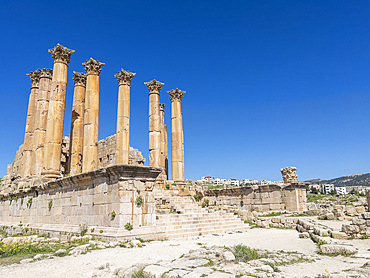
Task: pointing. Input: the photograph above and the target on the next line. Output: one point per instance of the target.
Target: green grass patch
(313, 198)
(243, 253)
(141, 274)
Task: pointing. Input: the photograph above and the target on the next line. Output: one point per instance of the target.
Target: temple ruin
(58, 184)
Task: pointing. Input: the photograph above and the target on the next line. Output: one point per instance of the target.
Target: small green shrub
(139, 201)
(167, 186)
(29, 203)
(50, 204)
(196, 197)
(83, 230)
(113, 214)
(244, 254)
(205, 203)
(241, 203)
(92, 230)
(101, 231)
(141, 274)
(22, 201)
(128, 226)
(10, 199)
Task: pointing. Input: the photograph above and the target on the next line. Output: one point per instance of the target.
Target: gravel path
(269, 239)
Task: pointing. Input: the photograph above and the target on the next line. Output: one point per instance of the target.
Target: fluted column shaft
(28, 149)
(164, 161)
(91, 116)
(77, 124)
(154, 87)
(42, 108)
(123, 116)
(178, 173)
(55, 121)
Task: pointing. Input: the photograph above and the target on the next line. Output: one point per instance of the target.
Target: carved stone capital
(35, 78)
(154, 86)
(93, 66)
(162, 106)
(176, 94)
(124, 77)
(79, 78)
(61, 54)
(46, 73)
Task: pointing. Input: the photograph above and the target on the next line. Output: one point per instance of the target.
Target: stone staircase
(181, 216)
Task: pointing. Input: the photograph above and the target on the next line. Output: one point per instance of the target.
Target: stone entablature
(291, 197)
(86, 199)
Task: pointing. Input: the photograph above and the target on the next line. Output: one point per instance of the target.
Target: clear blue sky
(268, 83)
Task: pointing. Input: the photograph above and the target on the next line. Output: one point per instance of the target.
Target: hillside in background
(350, 180)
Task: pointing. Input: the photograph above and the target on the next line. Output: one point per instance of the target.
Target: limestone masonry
(61, 184)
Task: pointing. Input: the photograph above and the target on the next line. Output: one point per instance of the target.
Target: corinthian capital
(124, 77)
(154, 86)
(61, 54)
(79, 78)
(176, 94)
(162, 106)
(35, 78)
(93, 66)
(46, 73)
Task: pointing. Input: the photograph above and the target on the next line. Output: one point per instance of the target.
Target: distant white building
(341, 190)
(208, 179)
(247, 182)
(326, 188)
(234, 182)
(219, 181)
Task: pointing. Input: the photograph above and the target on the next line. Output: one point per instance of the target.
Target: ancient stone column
(91, 116)
(154, 87)
(77, 124)
(28, 149)
(123, 116)
(55, 122)
(178, 173)
(164, 146)
(42, 108)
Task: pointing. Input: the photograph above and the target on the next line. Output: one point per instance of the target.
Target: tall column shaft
(28, 149)
(42, 108)
(77, 124)
(166, 149)
(91, 116)
(154, 87)
(55, 121)
(123, 116)
(163, 128)
(178, 173)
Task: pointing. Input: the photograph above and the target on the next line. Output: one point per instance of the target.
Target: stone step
(196, 221)
(201, 226)
(203, 232)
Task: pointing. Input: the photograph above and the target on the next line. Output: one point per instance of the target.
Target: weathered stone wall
(106, 156)
(261, 198)
(87, 199)
(107, 153)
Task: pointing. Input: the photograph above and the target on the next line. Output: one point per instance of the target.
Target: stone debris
(214, 261)
(337, 249)
(289, 174)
